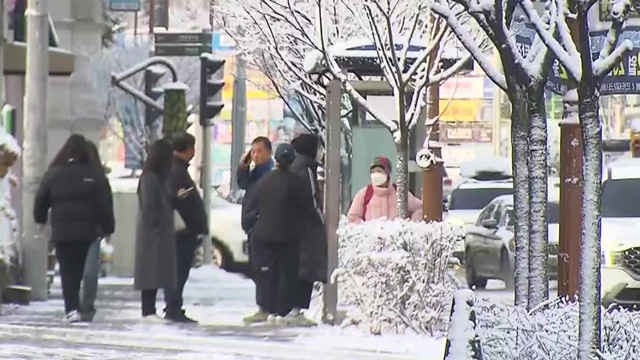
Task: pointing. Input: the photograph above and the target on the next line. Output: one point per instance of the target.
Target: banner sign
(124, 5)
(623, 79)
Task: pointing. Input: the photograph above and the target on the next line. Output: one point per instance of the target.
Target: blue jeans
(90, 279)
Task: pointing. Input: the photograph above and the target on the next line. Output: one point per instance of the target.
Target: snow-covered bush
(551, 332)
(9, 259)
(395, 273)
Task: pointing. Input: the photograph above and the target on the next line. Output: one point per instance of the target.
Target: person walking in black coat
(81, 206)
(190, 208)
(313, 243)
(283, 202)
(89, 284)
(155, 256)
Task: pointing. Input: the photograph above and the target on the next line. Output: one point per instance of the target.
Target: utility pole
(3, 41)
(34, 244)
(432, 175)
(152, 16)
(332, 195)
(238, 119)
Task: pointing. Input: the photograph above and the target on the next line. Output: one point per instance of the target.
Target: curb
(190, 343)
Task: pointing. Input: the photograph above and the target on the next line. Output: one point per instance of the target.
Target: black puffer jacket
(313, 242)
(80, 201)
(283, 203)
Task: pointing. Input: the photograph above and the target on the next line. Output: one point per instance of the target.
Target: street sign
(222, 42)
(124, 5)
(182, 44)
(183, 38)
(181, 49)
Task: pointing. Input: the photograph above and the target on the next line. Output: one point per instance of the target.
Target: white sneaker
(282, 321)
(152, 319)
(73, 316)
(298, 319)
(271, 319)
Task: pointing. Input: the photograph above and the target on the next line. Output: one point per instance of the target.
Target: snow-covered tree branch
(301, 45)
(523, 80)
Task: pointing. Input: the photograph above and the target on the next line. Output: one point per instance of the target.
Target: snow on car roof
(624, 168)
(472, 184)
(471, 169)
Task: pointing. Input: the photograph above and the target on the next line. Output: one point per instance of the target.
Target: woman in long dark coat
(155, 258)
(313, 243)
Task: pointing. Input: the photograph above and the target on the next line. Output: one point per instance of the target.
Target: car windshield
(620, 198)
(553, 214)
(475, 198)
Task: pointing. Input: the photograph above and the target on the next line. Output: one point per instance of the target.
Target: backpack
(368, 195)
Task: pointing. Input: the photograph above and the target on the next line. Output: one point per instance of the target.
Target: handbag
(178, 223)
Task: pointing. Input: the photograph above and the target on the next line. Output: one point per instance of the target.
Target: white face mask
(378, 179)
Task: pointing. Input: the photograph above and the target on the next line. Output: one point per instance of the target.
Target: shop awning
(61, 62)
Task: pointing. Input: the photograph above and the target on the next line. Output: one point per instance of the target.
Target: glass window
(486, 214)
(553, 215)
(475, 199)
(621, 198)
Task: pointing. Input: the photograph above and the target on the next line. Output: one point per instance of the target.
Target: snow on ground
(216, 298)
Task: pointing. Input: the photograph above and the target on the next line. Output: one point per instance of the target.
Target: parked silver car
(490, 245)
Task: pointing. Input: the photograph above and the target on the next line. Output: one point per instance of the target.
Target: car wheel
(472, 279)
(507, 269)
(220, 256)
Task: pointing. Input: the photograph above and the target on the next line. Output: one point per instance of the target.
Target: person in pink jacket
(379, 199)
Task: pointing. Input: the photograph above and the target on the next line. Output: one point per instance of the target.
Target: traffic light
(151, 77)
(635, 144)
(210, 87)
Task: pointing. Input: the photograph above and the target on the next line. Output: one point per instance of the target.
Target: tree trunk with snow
(520, 152)
(402, 157)
(538, 229)
(589, 341)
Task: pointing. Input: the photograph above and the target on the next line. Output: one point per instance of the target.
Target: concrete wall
(74, 104)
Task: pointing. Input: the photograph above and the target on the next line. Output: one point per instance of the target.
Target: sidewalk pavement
(216, 299)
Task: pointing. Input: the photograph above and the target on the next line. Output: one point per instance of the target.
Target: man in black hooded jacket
(192, 213)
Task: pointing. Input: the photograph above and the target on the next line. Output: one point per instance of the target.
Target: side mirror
(490, 224)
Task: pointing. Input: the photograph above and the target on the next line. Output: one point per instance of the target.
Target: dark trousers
(186, 245)
(276, 276)
(148, 298)
(71, 256)
(305, 289)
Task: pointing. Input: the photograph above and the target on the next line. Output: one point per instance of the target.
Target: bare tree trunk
(589, 340)
(520, 151)
(402, 149)
(590, 301)
(538, 230)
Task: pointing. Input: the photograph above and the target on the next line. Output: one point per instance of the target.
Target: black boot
(179, 317)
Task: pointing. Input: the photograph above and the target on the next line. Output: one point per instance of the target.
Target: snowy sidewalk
(218, 300)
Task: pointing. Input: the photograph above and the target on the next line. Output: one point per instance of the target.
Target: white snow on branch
(485, 62)
(571, 64)
(603, 66)
(396, 274)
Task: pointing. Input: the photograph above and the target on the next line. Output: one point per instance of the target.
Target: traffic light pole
(238, 119)
(210, 107)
